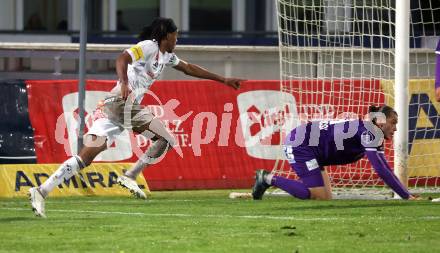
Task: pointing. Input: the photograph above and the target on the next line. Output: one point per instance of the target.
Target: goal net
(337, 59)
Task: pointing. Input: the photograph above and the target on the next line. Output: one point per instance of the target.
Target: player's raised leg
(92, 147)
(163, 141)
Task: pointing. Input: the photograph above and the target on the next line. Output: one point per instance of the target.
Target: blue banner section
(16, 132)
(421, 102)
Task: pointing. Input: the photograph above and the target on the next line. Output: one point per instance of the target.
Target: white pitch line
(125, 201)
(220, 216)
(131, 200)
(180, 215)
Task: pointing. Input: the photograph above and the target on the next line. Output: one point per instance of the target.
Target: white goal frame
(401, 53)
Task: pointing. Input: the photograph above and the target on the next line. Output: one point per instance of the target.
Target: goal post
(338, 57)
(401, 77)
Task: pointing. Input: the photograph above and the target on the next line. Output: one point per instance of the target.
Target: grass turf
(207, 221)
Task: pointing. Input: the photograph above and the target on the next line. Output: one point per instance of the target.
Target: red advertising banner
(223, 135)
(204, 117)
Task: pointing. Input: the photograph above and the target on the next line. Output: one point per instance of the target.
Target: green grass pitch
(208, 221)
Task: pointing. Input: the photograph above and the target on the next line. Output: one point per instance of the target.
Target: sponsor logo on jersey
(312, 164)
(367, 137)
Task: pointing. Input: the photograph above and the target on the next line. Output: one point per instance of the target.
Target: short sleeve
(143, 50)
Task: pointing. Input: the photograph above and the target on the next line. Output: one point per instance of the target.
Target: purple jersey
(437, 66)
(343, 142)
(336, 142)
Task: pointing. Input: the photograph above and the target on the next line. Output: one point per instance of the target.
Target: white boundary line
(221, 216)
(128, 200)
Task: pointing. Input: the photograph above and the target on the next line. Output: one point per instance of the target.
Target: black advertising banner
(16, 132)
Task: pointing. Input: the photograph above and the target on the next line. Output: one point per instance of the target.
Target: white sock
(268, 179)
(66, 170)
(137, 168)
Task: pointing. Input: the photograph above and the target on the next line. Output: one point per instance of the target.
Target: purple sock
(294, 188)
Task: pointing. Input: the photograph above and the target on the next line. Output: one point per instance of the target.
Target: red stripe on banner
(204, 117)
(210, 122)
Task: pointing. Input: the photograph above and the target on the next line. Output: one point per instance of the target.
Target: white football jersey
(146, 67)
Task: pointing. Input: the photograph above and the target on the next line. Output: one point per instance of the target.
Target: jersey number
(288, 150)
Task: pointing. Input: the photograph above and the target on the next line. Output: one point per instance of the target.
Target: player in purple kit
(314, 145)
(437, 72)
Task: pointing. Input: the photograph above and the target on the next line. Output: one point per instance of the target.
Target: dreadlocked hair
(158, 29)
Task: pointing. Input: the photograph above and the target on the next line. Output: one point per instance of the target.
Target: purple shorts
(304, 163)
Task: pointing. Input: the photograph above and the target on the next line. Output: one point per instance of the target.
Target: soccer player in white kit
(137, 68)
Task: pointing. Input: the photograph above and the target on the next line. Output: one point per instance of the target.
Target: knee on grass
(320, 194)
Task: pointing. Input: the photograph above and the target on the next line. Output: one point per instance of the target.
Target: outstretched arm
(382, 168)
(197, 71)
